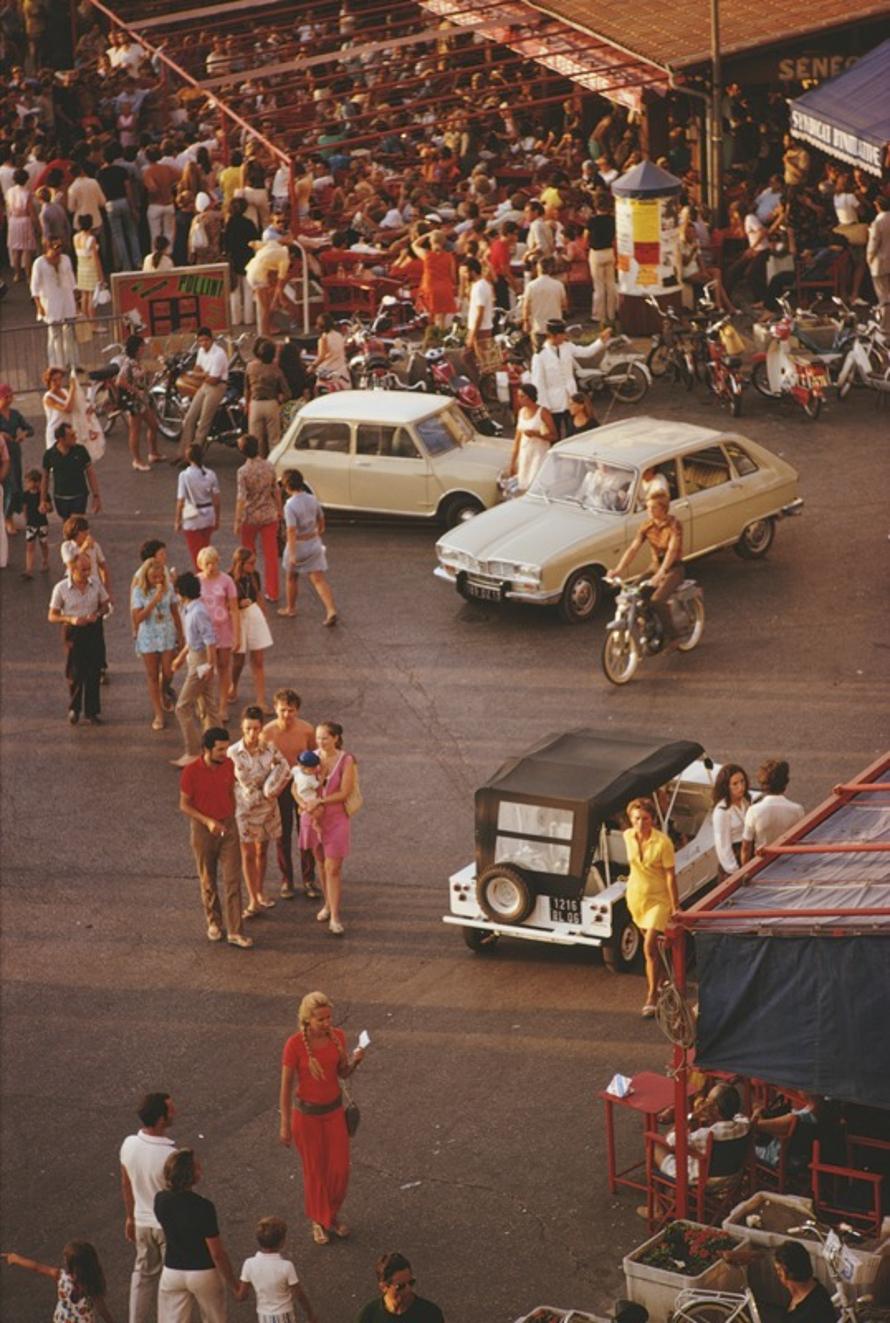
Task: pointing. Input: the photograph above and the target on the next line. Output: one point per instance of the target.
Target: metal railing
(24, 350)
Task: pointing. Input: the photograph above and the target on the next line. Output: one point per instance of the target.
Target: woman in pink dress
(324, 825)
(220, 597)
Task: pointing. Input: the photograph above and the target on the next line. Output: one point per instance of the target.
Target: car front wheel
(459, 509)
(756, 539)
(504, 895)
(580, 597)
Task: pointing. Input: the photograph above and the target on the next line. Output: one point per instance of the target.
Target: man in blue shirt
(198, 702)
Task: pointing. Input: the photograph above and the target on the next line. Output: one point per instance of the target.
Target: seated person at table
(800, 1125)
(719, 1114)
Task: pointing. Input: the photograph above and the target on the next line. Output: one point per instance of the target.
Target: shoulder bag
(351, 1113)
(355, 799)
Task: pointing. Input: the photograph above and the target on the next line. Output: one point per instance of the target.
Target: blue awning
(849, 116)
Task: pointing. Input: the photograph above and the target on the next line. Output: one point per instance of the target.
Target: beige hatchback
(553, 545)
(395, 453)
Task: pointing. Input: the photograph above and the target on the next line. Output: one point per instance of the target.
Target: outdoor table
(649, 1095)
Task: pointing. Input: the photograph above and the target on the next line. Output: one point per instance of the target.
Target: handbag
(355, 799)
(101, 295)
(189, 509)
(351, 1112)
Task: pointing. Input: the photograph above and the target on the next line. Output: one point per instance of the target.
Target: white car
(394, 453)
(551, 863)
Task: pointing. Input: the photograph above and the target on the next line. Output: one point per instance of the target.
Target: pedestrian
(258, 509)
(80, 1282)
(198, 702)
(238, 236)
(119, 185)
(438, 281)
(273, 1277)
(212, 371)
(553, 373)
(14, 429)
(266, 390)
(52, 218)
(5, 465)
(197, 1268)
(58, 400)
(138, 406)
(261, 773)
(157, 630)
(207, 798)
(732, 799)
(774, 813)
(535, 434)
(582, 417)
(254, 634)
(601, 256)
(266, 276)
(89, 264)
(21, 235)
(325, 828)
(651, 894)
(79, 602)
(36, 524)
(396, 1282)
(52, 288)
(142, 1160)
(877, 254)
(78, 540)
(544, 301)
(311, 1112)
(197, 503)
(291, 735)
(159, 258)
(304, 551)
(220, 597)
(330, 352)
(480, 315)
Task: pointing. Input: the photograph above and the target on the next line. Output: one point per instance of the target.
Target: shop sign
(181, 299)
(835, 141)
(813, 68)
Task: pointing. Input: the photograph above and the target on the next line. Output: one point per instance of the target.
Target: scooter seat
(104, 373)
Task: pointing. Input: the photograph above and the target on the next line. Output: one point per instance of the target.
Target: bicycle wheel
(658, 359)
(693, 1307)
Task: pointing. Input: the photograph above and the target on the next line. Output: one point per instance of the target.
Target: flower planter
(657, 1288)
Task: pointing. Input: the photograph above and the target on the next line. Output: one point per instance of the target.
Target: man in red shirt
(207, 796)
(500, 255)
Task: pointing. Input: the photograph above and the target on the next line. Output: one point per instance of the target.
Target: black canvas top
(599, 768)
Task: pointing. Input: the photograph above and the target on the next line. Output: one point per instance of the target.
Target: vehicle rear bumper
(795, 508)
(534, 596)
(527, 933)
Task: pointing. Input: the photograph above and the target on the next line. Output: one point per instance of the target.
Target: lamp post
(715, 156)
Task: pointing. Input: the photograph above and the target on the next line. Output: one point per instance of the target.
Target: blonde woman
(651, 894)
(220, 597)
(311, 1112)
(158, 634)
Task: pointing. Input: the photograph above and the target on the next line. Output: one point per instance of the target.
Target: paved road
(481, 1148)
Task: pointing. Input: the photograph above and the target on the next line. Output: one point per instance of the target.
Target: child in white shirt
(273, 1277)
(306, 778)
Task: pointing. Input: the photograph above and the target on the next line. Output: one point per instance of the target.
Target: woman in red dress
(315, 1059)
(439, 279)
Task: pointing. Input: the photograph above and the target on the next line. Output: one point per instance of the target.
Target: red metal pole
(681, 1081)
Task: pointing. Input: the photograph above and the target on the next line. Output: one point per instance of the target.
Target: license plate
(486, 592)
(565, 909)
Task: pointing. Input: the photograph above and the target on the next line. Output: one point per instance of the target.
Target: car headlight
(516, 571)
(452, 559)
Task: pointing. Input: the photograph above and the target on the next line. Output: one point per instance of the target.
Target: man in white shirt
(52, 288)
(540, 241)
(544, 301)
(553, 372)
(751, 266)
(213, 367)
(480, 314)
(142, 1159)
(878, 257)
(767, 201)
(773, 814)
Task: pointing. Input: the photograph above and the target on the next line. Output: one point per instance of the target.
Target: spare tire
(504, 895)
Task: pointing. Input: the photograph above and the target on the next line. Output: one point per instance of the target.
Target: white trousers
(180, 1289)
(241, 302)
(161, 220)
(146, 1273)
(605, 291)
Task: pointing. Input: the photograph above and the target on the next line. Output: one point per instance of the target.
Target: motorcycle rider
(664, 535)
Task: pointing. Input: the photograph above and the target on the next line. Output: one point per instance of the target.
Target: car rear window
(741, 460)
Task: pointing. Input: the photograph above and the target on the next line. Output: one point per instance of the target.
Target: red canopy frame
(873, 780)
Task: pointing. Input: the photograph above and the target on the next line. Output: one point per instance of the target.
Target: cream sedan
(553, 545)
(394, 453)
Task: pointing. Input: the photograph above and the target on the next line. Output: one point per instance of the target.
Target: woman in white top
(57, 401)
(535, 434)
(732, 799)
(197, 503)
(159, 258)
(330, 359)
(847, 206)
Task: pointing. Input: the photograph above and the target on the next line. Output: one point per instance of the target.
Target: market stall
(848, 116)
(794, 961)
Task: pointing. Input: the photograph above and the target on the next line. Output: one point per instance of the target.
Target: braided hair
(313, 1001)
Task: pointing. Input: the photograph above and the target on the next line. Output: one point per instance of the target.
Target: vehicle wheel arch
(594, 568)
(453, 500)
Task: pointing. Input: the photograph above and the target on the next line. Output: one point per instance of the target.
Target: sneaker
(214, 932)
(73, 716)
(235, 939)
(287, 892)
(336, 928)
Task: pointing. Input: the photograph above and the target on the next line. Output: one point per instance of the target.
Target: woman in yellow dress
(651, 886)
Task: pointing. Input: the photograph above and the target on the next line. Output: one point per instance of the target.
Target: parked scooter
(444, 379)
(635, 630)
(778, 372)
(616, 367)
(867, 360)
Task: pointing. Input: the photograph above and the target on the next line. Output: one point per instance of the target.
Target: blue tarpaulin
(849, 116)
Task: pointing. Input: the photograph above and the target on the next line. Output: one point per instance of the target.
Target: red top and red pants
(322, 1141)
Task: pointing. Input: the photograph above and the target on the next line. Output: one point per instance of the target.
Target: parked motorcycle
(778, 372)
(618, 368)
(725, 378)
(444, 379)
(172, 395)
(103, 395)
(635, 630)
(398, 315)
(866, 361)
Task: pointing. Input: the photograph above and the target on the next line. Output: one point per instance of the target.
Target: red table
(649, 1095)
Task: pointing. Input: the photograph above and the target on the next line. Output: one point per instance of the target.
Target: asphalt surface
(480, 1153)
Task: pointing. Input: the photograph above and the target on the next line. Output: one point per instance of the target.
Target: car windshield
(589, 483)
(443, 432)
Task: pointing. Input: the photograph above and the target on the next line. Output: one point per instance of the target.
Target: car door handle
(362, 463)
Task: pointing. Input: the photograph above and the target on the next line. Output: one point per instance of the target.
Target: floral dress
(260, 776)
(157, 632)
(69, 1310)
